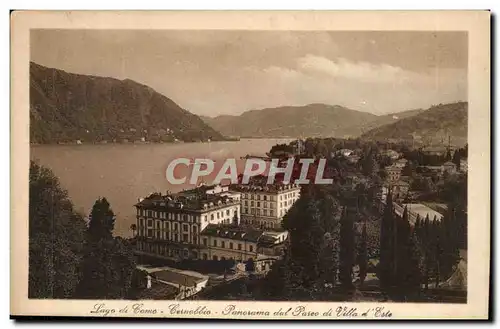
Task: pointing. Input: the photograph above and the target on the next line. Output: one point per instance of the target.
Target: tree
(133, 227)
(108, 262)
(415, 263)
(303, 221)
(450, 232)
(408, 169)
(456, 159)
(386, 264)
(369, 165)
(438, 249)
(107, 270)
(427, 246)
(56, 236)
(347, 248)
(250, 265)
(448, 155)
(401, 249)
(102, 221)
(362, 258)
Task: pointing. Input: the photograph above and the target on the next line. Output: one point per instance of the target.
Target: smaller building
(185, 283)
(449, 167)
(429, 170)
(391, 154)
(272, 243)
(393, 173)
(353, 158)
(463, 165)
(345, 152)
(223, 242)
(401, 163)
(434, 150)
(399, 190)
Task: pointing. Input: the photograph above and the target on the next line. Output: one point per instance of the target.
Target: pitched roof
(232, 232)
(177, 278)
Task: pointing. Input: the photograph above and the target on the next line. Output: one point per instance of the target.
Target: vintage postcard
(251, 165)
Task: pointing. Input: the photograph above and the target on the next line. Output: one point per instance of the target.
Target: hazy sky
(229, 72)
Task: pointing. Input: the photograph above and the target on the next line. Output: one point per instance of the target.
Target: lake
(125, 172)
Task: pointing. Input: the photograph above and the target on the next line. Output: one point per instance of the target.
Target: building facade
(449, 167)
(463, 165)
(205, 224)
(170, 225)
(229, 242)
(393, 173)
(263, 206)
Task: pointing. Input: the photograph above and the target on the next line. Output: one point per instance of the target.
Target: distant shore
(155, 143)
(78, 142)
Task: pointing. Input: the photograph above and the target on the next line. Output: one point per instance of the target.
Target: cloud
(377, 88)
(343, 68)
(281, 72)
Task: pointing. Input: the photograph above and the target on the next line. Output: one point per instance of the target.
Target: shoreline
(157, 143)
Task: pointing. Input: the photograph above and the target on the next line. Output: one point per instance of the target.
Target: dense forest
(339, 232)
(70, 257)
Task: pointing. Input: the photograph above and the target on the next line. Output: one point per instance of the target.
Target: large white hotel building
(263, 206)
(236, 222)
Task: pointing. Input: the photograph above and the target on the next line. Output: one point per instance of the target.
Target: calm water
(124, 172)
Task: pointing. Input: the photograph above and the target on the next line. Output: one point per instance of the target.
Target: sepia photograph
(168, 168)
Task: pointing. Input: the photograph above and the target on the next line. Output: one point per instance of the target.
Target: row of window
(258, 203)
(169, 252)
(221, 214)
(262, 224)
(167, 226)
(215, 257)
(174, 237)
(222, 244)
(167, 215)
(188, 218)
(256, 196)
(253, 196)
(185, 217)
(259, 212)
(165, 251)
(270, 205)
(289, 195)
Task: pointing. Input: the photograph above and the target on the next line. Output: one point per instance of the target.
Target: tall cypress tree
(448, 155)
(438, 249)
(456, 159)
(385, 267)
(428, 254)
(347, 248)
(402, 246)
(102, 221)
(363, 254)
(108, 262)
(418, 227)
(303, 221)
(415, 263)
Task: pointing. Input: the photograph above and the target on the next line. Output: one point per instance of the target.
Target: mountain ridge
(66, 106)
(431, 125)
(311, 120)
